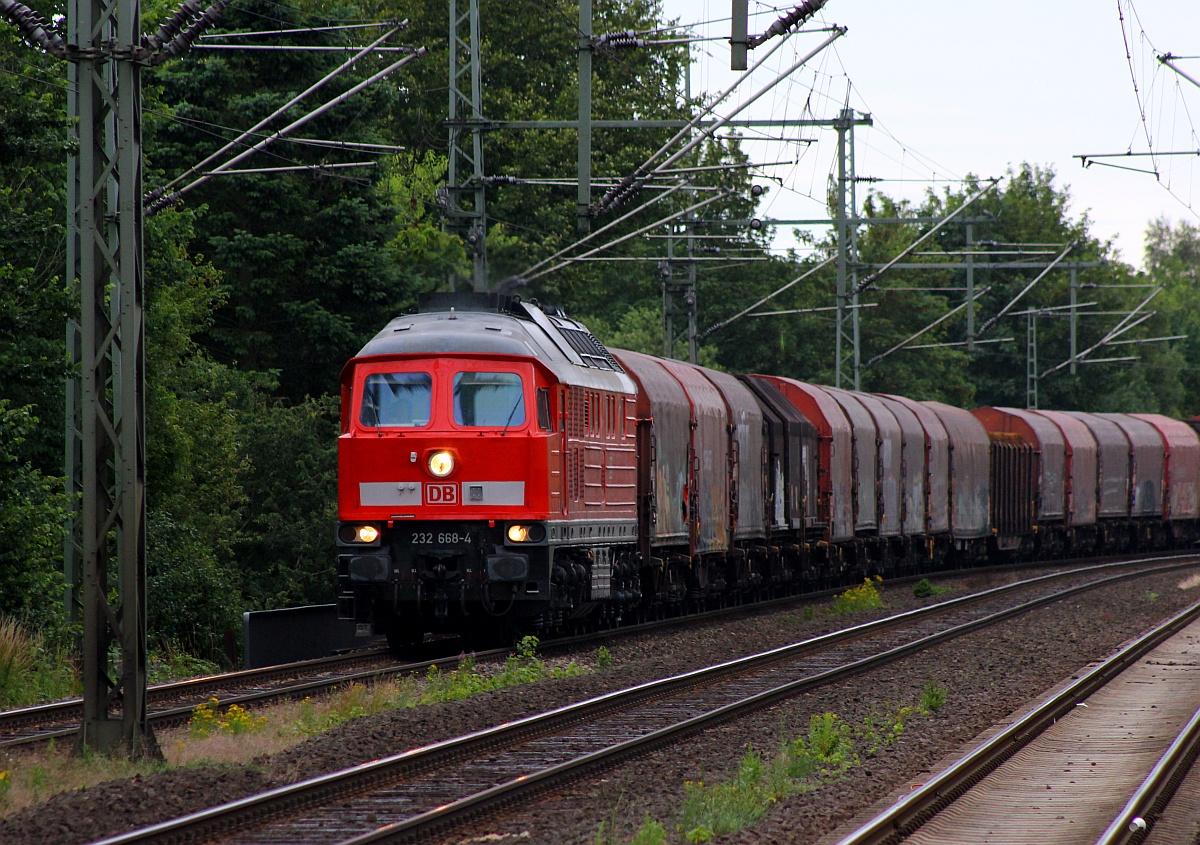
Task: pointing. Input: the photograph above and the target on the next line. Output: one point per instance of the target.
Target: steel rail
(180, 714)
(1135, 821)
(358, 779)
(61, 709)
(905, 816)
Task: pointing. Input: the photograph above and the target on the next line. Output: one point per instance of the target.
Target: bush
(193, 599)
(287, 544)
(33, 512)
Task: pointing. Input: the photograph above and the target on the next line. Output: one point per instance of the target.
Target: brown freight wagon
(835, 503)
(970, 518)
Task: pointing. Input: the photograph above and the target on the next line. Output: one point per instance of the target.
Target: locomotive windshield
(489, 399)
(396, 399)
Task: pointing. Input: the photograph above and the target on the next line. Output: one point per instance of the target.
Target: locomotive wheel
(403, 639)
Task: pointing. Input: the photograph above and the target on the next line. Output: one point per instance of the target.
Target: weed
(933, 697)
(1151, 596)
(809, 613)
(880, 729)
(5, 786)
(207, 719)
(17, 654)
(863, 597)
(650, 833)
(721, 808)
(827, 751)
(37, 779)
(925, 588)
(601, 834)
(604, 659)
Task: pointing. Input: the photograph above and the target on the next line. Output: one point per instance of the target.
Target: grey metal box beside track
(296, 633)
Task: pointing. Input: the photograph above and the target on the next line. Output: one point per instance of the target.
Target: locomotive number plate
(440, 538)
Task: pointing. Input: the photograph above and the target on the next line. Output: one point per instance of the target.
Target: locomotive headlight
(518, 533)
(441, 464)
(365, 534)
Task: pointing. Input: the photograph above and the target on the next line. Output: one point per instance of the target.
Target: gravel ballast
(987, 675)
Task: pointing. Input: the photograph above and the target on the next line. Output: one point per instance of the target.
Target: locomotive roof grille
(590, 349)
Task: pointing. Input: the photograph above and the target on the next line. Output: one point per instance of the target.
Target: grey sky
(960, 86)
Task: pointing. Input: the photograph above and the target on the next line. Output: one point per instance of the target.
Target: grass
(218, 735)
(824, 753)
(925, 588)
(30, 670)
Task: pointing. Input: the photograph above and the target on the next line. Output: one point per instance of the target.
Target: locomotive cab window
(543, 409)
(396, 399)
(489, 400)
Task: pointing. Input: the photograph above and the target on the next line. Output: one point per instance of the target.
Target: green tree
(34, 300)
(1173, 260)
(32, 512)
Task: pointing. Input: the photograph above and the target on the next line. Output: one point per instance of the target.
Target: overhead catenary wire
(932, 325)
(174, 197)
(591, 235)
(515, 281)
(644, 172)
(721, 325)
(699, 116)
(153, 196)
(296, 48)
(992, 321)
(812, 310)
(302, 31)
(871, 280)
(293, 167)
(1120, 328)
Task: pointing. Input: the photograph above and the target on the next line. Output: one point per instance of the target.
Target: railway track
(1095, 762)
(411, 796)
(173, 703)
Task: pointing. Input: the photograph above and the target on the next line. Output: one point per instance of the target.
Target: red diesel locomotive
(501, 471)
(487, 473)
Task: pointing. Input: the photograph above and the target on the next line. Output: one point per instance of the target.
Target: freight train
(502, 471)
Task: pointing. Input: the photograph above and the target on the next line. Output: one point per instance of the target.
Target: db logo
(441, 494)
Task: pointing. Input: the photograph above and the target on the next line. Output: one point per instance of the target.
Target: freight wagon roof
(477, 325)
